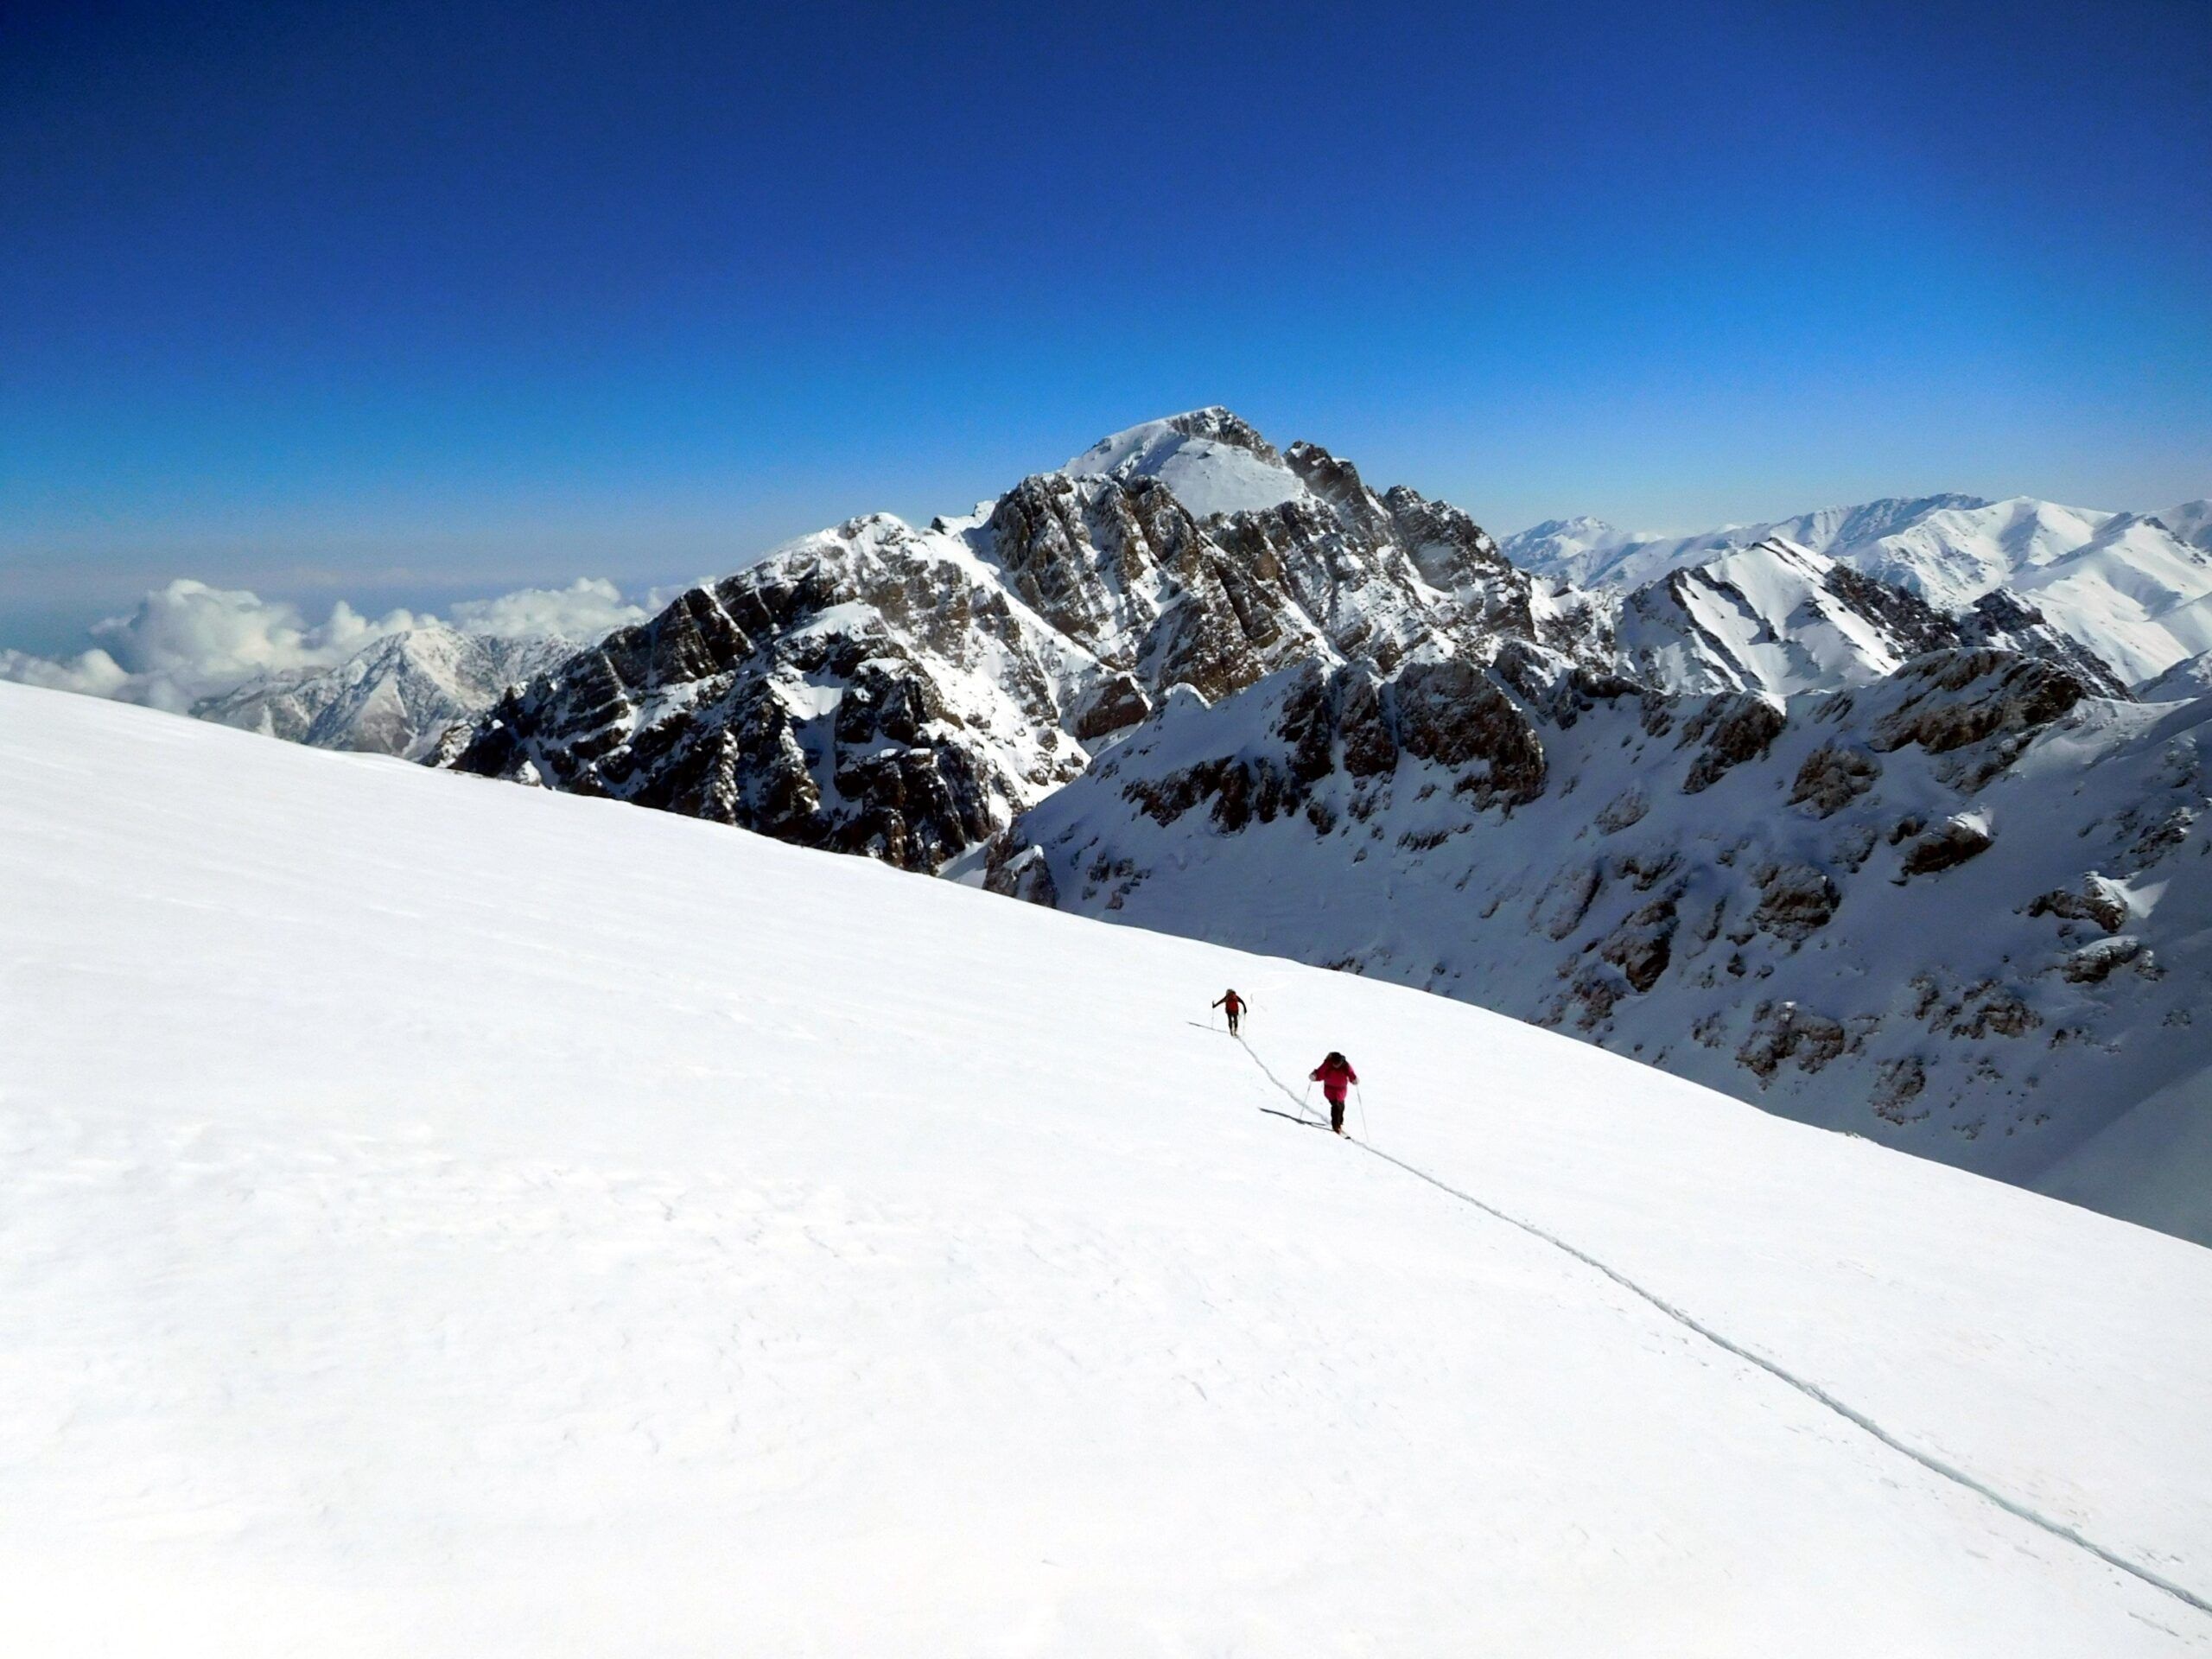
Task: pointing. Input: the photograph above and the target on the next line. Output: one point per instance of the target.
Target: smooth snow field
(440, 1218)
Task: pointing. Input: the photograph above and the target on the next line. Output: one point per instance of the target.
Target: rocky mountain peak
(1219, 425)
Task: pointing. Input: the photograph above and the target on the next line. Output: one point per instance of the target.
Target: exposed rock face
(1950, 844)
(1125, 572)
(2003, 619)
(2095, 900)
(1733, 730)
(1795, 900)
(1449, 714)
(1833, 777)
(2094, 964)
(864, 691)
(1969, 697)
(1022, 874)
(1385, 575)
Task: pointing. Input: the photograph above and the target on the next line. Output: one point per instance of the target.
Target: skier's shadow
(1292, 1117)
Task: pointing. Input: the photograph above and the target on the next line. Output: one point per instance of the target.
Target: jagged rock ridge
(902, 692)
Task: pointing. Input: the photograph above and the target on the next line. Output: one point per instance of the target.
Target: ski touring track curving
(1811, 1391)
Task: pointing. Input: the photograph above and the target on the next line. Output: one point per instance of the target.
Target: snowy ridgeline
(2134, 587)
(441, 1218)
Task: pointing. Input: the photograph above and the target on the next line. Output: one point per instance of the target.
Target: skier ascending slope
(1235, 1004)
(1335, 1075)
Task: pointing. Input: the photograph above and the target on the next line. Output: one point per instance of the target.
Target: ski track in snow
(1811, 1391)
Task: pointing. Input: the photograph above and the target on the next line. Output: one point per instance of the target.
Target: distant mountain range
(389, 685)
(2134, 587)
(398, 695)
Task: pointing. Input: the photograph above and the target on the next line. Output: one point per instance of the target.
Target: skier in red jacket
(1235, 1006)
(1335, 1075)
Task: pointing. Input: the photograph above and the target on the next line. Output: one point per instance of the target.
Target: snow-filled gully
(1811, 1391)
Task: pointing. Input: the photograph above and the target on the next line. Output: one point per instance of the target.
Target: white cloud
(585, 609)
(94, 673)
(189, 641)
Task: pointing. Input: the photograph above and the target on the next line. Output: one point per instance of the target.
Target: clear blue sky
(397, 302)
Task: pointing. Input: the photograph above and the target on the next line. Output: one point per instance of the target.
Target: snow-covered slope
(2133, 587)
(1965, 909)
(1764, 618)
(450, 1219)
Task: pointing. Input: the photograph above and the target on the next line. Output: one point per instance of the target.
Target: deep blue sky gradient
(401, 301)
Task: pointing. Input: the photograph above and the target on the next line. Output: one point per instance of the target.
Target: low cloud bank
(585, 609)
(188, 641)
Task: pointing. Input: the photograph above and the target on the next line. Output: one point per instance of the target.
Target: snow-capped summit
(998, 698)
(1580, 550)
(2123, 584)
(1213, 461)
(390, 685)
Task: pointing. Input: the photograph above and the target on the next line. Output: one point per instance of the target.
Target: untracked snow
(438, 1217)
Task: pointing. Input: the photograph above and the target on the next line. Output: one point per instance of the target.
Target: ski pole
(1365, 1133)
